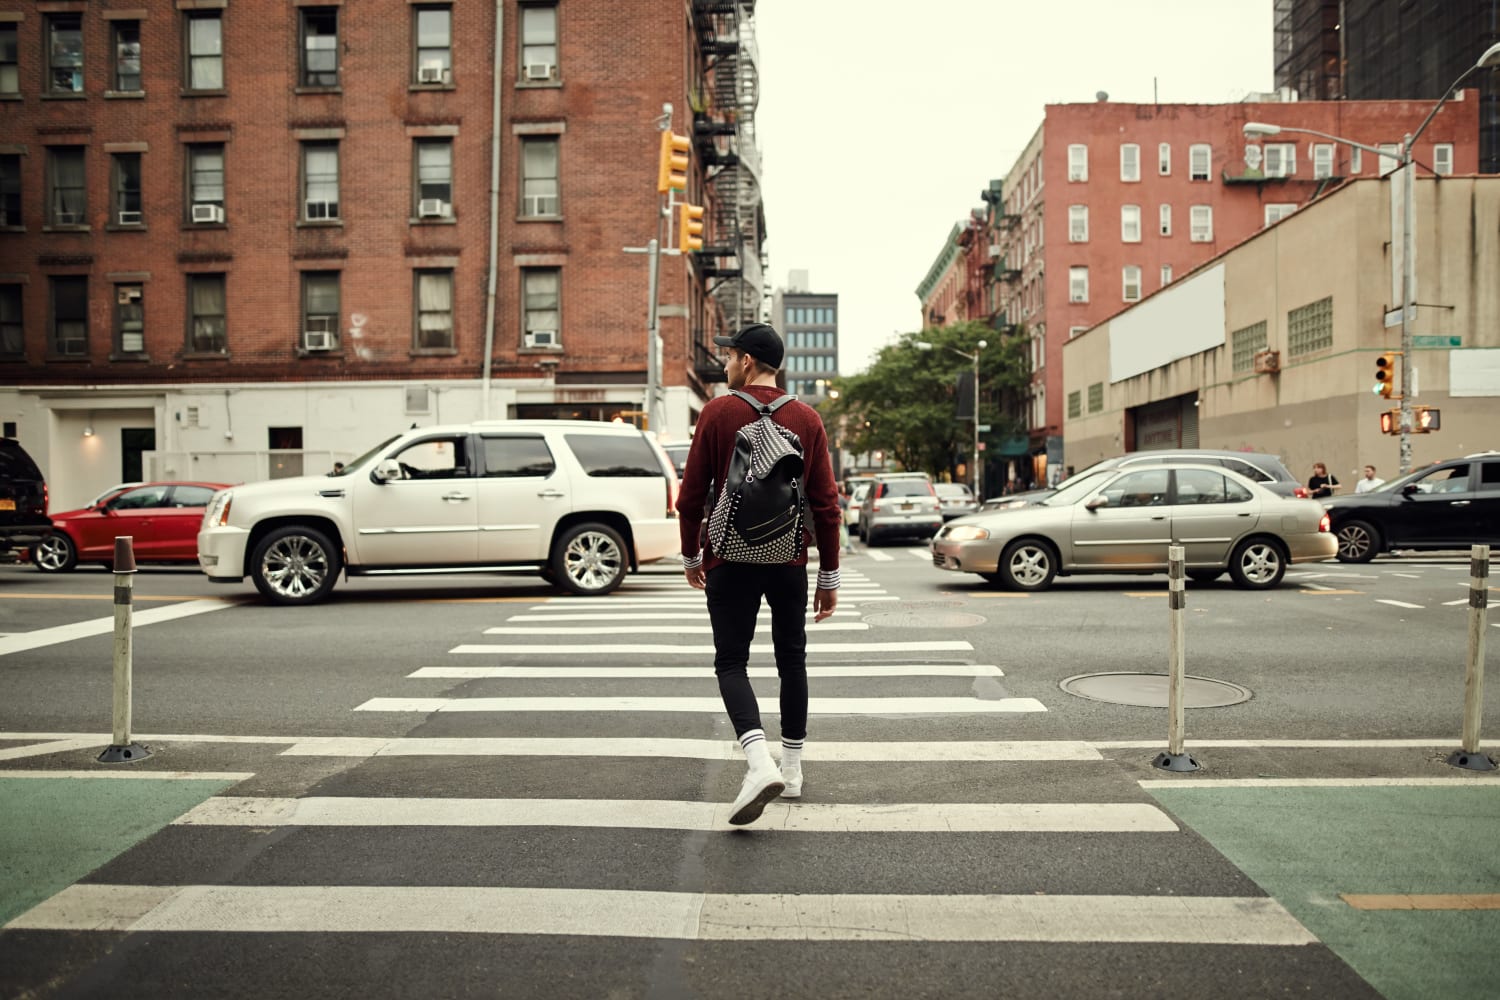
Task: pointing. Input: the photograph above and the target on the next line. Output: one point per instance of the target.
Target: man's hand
(824, 601)
(696, 577)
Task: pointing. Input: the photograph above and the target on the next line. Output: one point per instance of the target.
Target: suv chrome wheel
(295, 565)
(589, 559)
(55, 553)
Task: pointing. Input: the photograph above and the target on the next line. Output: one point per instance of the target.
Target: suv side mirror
(386, 470)
(1410, 490)
(1096, 503)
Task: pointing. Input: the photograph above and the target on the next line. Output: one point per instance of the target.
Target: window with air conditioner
(538, 36)
(539, 187)
(1078, 162)
(432, 33)
(1202, 224)
(125, 181)
(66, 191)
(320, 310)
(541, 303)
(205, 166)
(130, 320)
(320, 181)
(1078, 284)
(1442, 158)
(430, 73)
(434, 179)
(539, 71)
(208, 213)
(432, 208)
(541, 338)
(1200, 157)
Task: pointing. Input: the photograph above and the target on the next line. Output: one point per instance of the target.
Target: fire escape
(732, 260)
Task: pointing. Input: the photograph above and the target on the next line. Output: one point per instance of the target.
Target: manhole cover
(922, 618)
(1150, 690)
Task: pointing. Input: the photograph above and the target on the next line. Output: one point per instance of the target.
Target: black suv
(23, 499)
(1446, 505)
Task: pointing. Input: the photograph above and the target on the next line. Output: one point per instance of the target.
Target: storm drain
(1150, 690)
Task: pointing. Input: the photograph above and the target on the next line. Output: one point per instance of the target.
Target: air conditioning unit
(130, 218)
(540, 71)
(317, 340)
(208, 213)
(127, 294)
(1078, 297)
(541, 338)
(540, 204)
(322, 210)
(432, 208)
(1267, 362)
(430, 73)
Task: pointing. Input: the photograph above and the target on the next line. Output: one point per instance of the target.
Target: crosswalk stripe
(880, 556)
(764, 648)
(714, 706)
(686, 601)
(888, 751)
(569, 616)
(1398, 604)
(645, 629)
(921, 555)
(691, 916)
(662, 814)
(703, 673)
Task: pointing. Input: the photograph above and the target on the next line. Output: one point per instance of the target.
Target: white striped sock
(791, 754)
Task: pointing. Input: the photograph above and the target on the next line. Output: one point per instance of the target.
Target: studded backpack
(758, 514)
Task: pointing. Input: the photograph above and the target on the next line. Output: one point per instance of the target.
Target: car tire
(1358, 542)
(589, 559)
(1257, 564)
(870, 537)
(1028, 565)
(1204, 575)
(295, 564)
(55, 554)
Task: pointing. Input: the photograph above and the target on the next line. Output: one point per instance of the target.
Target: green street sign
(984, 428)
(1438, 340)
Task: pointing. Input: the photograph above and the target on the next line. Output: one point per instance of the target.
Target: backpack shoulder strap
(751, 400)
(779, 402)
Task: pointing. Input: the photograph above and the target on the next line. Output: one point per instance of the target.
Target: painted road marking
(645, 629)
(569, 616)
(710, 706)
(924, 555)
(692, 916)
(686, 604)
(1146, 593)
(101, 626)
(96, 597)
(763, 648)
(880, 556)
(1316, 586)
(1427, 901)
(1398, 604)
(1329, 592)
(118, 775)
(662, 814)
(49, 747)
(991, 593)
(892, 751)
(1409, 576)
(1316, 782)
(702, 673)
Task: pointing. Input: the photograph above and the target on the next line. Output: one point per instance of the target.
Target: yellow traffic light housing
(1390, 422)
(1385, 375)
(1426, 419)
(690, 228)
(673, 169)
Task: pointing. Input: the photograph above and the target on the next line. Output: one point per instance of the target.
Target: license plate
(7, 505)
(906, 506)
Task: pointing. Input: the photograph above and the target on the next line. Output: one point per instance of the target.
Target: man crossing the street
(735, 588)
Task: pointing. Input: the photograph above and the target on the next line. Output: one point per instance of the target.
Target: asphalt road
(333, 816)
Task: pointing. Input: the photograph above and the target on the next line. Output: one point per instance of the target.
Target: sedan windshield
(1074, 489)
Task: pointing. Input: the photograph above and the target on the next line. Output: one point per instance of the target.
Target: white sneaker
(793, 779)
(760, 787)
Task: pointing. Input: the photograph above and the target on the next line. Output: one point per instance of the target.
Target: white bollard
(122, 750)
(1470, 756)
(1175, 759)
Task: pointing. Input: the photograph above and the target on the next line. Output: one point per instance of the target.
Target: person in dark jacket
(1321, 483)
(735, 589)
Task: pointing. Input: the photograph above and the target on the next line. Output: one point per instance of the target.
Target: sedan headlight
(965, 533)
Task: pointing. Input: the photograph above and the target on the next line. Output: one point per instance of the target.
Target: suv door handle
(1458, 503)
(455, 497)
(550, 494)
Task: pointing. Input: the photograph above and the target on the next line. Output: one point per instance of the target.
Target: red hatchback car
(163, 518)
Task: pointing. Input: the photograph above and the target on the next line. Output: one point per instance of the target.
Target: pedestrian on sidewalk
(735, 589)
(1369, 482)
(1321, 483)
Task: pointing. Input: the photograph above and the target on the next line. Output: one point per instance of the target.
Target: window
(538, 42)
(205, 49)
(1200, 486)
(130, 320)
(126, 183)
(64, 53)
(1201, 220)
(434, 44)
(65, 187)
(1147, 488)
(1310, 327)
(1322, 156)
(517, 457)
(1164, 159)
(1130, 223)
(1390, 157)
(320, 181)
(1130, 161)
(1489, 477)
(320, 310)
(1096, 397)
(70, 317)
(1075, 404)
(1074, 331)
(12, 333)
(609, 456)
(1245, 343)
(10, 190)
(207, 329)
(1130, 283)
(1078, 284)
(1200, 156)
(434, 184)
(1276, 211)
(1442, 158)
(320, 46)
(1356, 161)
(1165, 218)
(1166, 275)
(1078, 162)
(10, 66)
(435, 458)
(539, 178)
(540, 301)
(434, 311)
(1078, 223)
(1281, 159)
(206, 184)
(125, 74)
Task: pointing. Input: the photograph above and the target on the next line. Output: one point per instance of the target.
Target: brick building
(245, 239)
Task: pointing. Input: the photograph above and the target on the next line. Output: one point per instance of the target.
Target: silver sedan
(1123, 520)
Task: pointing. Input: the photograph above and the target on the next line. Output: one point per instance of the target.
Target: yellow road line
(1428, 901)
(97, 597)
(1146, 593)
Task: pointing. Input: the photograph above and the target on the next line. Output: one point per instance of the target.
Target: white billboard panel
(1177, 322)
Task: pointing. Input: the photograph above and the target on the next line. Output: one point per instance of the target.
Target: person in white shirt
(1369, 482)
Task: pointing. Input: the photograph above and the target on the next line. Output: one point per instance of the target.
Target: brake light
(672, 487)
(1301, 493)
(1325, 524)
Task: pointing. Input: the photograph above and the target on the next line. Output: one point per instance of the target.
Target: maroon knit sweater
(708, 462)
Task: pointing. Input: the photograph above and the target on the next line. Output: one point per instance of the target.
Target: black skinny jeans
(734, 594)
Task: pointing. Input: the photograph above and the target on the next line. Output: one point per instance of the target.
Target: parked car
(116, 488)
(23, 499)
(856, 504)
(162, 518)
(1268, 470)
(1122, 520)
(581, 502)
(1447, 505)
(677, 453)
(956, 499)
(900, 505)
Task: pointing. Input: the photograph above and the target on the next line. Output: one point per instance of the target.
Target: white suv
(583, 502)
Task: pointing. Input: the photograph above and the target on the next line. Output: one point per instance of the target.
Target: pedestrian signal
(672, 171)
(1427, 419)
(1390, 422)
(1385, 374)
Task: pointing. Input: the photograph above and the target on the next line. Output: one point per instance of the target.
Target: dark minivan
(23, 499)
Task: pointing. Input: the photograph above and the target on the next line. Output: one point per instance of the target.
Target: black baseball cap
(759, 341)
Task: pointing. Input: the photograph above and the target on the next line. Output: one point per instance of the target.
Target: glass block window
(1075, 404)
(1310, 327)
(1243, 344)
(1096, 397)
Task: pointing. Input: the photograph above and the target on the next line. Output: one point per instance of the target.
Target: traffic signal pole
(1408, 282)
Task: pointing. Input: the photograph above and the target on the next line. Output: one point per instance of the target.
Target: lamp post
(923, 345)
(1252, 130)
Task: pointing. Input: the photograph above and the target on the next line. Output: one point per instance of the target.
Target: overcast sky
(880, 123)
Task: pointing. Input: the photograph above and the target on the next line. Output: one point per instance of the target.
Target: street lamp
(1253, 130)
(923, 345)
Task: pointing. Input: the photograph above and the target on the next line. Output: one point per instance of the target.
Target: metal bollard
(1175, 759)
(1470, 756)
(122, 750)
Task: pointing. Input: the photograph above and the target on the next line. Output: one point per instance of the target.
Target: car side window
(1250, 472)
(614, 456)
(1450, 480)
(518, 458)
(435, 458)
(140, 499)
(191, 496)
(1199, 486)
(1489, 477)
(1139, 489)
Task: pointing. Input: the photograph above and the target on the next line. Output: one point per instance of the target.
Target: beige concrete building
(1272, 345)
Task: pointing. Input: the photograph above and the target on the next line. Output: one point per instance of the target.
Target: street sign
(1437, 340)
(984, 428)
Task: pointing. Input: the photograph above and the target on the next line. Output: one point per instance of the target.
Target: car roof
(903, 475)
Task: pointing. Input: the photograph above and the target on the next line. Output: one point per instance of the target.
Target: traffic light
(1426, 419)
(672, 172)
(1390, 422)
(1385, 374)
(690, 228)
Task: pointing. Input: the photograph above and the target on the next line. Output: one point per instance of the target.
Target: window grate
(1075, 404)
